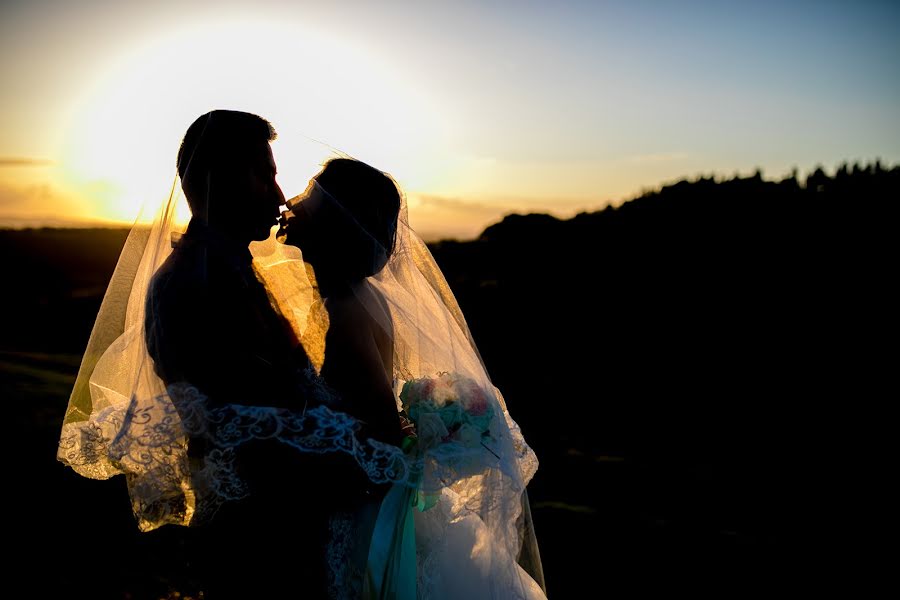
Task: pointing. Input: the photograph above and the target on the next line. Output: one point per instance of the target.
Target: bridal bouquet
(451, 413)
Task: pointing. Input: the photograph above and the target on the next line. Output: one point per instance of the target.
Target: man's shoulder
(178, 278)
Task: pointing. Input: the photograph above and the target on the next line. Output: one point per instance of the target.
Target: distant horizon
(478, 109)
(13, 223)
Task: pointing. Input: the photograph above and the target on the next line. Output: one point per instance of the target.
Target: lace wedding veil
(122, 419)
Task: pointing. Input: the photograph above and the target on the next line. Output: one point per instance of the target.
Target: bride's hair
(216, 141)
(360, 246)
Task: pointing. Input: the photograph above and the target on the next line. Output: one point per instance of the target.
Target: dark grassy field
(604, 523)
(699, 372)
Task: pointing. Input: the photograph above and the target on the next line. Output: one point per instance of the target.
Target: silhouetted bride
(458, 525)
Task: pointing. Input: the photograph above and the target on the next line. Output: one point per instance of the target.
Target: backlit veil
(471, 500)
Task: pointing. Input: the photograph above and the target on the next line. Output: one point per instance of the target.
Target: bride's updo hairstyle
(354, 209)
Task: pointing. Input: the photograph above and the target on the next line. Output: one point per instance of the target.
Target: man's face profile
(256, 195)
(265, 194)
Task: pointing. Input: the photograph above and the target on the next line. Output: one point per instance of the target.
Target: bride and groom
(315, 408)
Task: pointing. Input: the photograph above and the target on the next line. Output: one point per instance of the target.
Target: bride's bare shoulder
(362, 306)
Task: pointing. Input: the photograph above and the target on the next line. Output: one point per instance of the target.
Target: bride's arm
(357, 362)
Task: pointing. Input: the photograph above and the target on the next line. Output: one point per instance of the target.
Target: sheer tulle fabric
(473, 528)
(473, 531)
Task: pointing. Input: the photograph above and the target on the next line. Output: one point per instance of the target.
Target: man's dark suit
(209, 323)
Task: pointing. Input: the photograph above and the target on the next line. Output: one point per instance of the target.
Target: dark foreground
(702, 373)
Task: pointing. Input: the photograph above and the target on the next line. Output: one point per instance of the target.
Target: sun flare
(129, 122)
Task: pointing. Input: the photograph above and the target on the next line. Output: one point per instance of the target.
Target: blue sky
(479, 108)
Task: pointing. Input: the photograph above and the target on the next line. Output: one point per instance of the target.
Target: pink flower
(442, 392)
(426, 389)
(476, 402)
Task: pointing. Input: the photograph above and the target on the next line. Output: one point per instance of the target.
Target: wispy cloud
(37, 204)
(440, 217)
(455, 205)
(657, 158)
(24, 198)
(498, 206)
(24, 161)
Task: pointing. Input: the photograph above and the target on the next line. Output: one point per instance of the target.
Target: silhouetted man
(209, 323)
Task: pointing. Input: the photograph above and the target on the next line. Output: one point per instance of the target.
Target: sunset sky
(478, 108)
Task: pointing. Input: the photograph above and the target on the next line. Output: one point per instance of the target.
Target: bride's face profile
(303, 226)
(345, 221)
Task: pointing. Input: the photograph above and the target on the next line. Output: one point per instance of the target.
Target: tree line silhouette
(741, 325)
(724, 294)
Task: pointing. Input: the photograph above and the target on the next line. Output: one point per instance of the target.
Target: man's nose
(279, 195)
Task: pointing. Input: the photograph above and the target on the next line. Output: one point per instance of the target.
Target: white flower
(443, 393)
(431, 430)
(468, 436)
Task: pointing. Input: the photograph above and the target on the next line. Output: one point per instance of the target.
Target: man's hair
(217, 141)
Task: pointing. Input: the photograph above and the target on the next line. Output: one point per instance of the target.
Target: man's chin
(261, 235)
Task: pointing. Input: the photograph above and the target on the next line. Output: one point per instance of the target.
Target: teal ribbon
(391, 571)
(391, 567)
